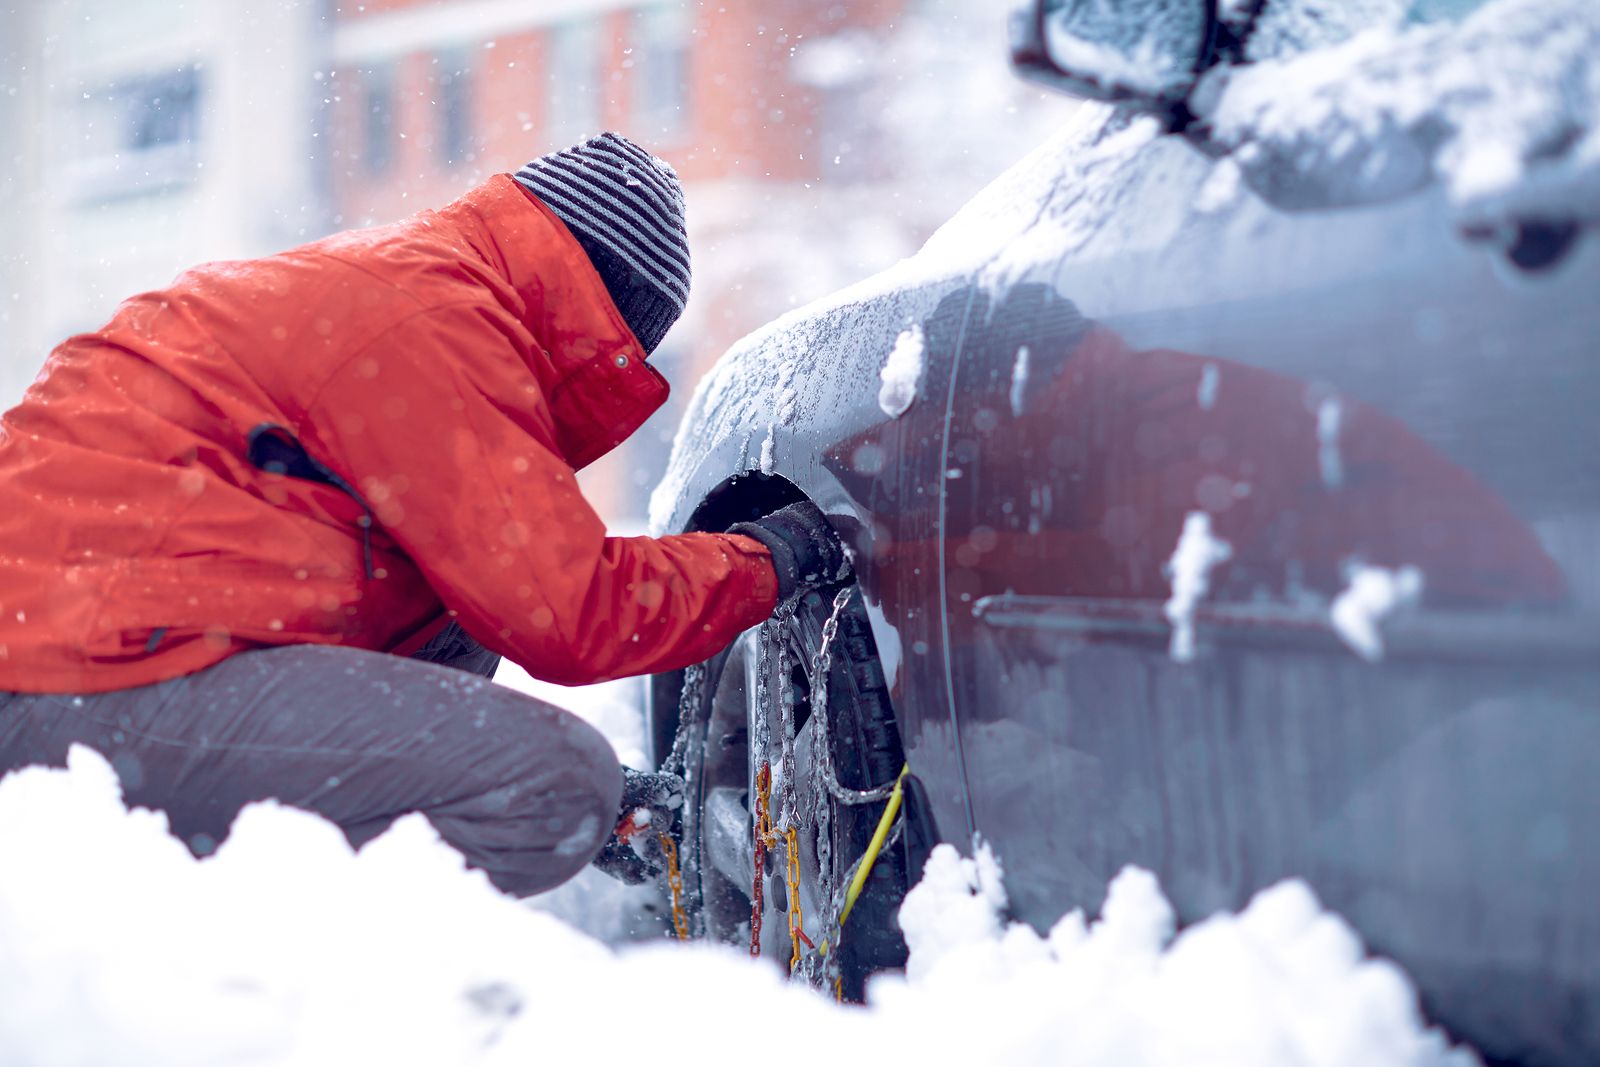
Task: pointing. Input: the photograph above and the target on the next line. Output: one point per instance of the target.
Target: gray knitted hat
(625, 207)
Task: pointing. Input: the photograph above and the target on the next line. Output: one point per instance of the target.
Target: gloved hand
(651, 804)
(806, 552)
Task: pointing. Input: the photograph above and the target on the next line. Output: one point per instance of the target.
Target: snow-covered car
(1223, 494)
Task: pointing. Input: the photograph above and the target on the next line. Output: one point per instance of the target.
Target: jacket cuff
(764, 588)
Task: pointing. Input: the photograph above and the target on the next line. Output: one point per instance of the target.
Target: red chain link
(763, 834)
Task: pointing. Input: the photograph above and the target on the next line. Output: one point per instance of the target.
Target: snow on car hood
(287, 947)
(1511, 93)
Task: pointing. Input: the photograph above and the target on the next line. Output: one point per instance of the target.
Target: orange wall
(748, 119)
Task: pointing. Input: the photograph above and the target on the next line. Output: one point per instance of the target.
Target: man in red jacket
(236, 521)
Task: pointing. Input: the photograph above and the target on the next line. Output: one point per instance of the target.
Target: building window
(661, 71)
(378, 100)
(138, 134)
(453, 96)
(574, 87)
(162, 111)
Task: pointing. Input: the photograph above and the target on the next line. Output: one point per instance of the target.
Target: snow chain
(819, 967)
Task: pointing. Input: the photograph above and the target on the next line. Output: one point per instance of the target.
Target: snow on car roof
(1514, 87)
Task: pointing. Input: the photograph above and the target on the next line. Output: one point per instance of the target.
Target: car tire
(717, 852)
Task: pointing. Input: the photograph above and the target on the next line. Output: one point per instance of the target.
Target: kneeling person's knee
(544, 821)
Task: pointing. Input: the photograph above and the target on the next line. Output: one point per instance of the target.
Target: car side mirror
(1147, 55)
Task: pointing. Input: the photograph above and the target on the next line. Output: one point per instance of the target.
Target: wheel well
(742, 498)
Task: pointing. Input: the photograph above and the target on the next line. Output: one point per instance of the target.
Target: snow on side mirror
(1143, 53)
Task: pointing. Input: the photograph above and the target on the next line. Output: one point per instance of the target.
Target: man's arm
(446, 436)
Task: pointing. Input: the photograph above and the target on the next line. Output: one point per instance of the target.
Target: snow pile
(1189, 571)
(1372, 595)
(902, 373)
(287, 948)
(1512, 90)
(1283, 983)
(284, 947)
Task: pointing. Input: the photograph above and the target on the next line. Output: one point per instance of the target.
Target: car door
(1348, 396)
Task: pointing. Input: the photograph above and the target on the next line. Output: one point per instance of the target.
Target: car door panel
(1331, 390)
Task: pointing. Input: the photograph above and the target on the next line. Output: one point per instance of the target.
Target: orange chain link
(680, 919)
(765, 839)
(796, 919)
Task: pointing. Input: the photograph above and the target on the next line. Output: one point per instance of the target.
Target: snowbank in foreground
(117, 947)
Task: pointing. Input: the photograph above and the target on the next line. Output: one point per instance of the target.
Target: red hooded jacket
(448, 374)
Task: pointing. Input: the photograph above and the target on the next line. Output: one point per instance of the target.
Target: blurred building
(818, 142)
(142, 136)
(429, 97)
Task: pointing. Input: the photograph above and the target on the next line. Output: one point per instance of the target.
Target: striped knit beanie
(625, 207)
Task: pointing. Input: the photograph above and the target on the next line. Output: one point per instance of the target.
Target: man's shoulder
(418, 259)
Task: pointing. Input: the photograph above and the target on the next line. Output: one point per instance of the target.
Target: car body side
(1148, 338)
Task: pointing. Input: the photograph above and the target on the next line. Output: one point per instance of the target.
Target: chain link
(821, 668)
(764, 838)
(774, 663)
(680, 919)
(790, 806)
(797, 933)
(832, 928)
(789, 809)
(689, 701)
(760, 735)
(690, 709)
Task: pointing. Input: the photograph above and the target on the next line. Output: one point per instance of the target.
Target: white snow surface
(1330, 462)
(1206, 393)
(1019, 381)
(902, 373)
(1189, 571)
(1286, 27)
(1372, 595)
(1236, 13)
(1146, 68)
(285, 947)
(1353, 93)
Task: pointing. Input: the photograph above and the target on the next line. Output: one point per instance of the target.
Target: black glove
(651, 804)
(806, 552)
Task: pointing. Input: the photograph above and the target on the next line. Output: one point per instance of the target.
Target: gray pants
(525, 791)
